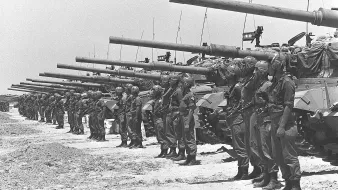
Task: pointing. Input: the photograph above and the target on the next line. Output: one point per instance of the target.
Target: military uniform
(127, 107)
(100, 110)
(36, 109)
(60, 111)
(282, 94)
(174, 126)
(159, 124)
(136, 118)
(121, 119)
(237, 126)
(186, 109)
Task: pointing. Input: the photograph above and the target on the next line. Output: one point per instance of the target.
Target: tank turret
(67, 83)
(322, 17)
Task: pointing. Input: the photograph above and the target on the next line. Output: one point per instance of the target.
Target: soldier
(262, 131)
(70, 106)
(100, 112)
(89, 110)
(173, 133)
(53, 104)
(249, 119)
(81, 106)
(59, 111)
(157, 115)
(48, 111)
(136, 118)
(236, 123)
(76, 107)
(120, 116)
(127, 107)
(187, 107)
(42, 108)
(283, 124)
(36, 107)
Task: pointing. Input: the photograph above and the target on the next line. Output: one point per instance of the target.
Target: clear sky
(35, 35)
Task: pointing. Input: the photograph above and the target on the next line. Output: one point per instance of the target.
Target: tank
(45, 85)
(322, 17)
(67, 83)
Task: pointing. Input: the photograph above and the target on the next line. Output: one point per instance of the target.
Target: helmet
(135, 90)
(174, 79)
(278, 65)
(188, 82)
(156, 90)
(52, 98)
(84, 95)
(128, 87)
(98, 94)
(262, 66)
(234, 69)
(72, 92)
(165, 79)
(119, 91)
(249, 60)
(67, 94)
(90, 93)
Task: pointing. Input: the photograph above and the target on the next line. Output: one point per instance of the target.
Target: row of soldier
(258, 112)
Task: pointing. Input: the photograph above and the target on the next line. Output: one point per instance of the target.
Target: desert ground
(35, 155)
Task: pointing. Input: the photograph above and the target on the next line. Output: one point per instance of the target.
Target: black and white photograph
(169, 94)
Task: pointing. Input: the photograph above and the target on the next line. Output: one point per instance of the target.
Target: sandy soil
(37, 156)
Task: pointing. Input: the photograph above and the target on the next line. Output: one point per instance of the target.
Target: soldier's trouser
(59, 119)
(264, 140)
(170, 132)
(175, 131)
(48, 115)
(79, 123)
(160, 133)
(54, 116)
(90, 124)
(100, 127)
(136, 128)
(95, 124)
(285, 150)
(75, 121)
(238, 134)
(42, 112)
(128, 131)
(188, 129)
(71, 120)
(248, 118)
(124, 130)
(254, 142)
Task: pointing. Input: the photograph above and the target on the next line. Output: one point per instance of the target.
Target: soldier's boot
(59, 127)
(54, 122)
(81, 132)
(134, 145)
(288, 185)
(265, 181)
(172, 153)
(131, 143)
(330, 157)
(180, 156)
(238, 176)
(296, 185)
(123, 144)
(245, 171)
(99, 137)
(255, 172)
(163, 153)
(70, 129)
(335, 162)
(259, 178)
(274, 183)
(187, 161)
(138, 144)
(90, 136)
(103, 137)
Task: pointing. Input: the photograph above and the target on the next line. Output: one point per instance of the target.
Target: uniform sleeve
(289, 93)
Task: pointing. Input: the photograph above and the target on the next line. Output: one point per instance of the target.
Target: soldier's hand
(280, 132)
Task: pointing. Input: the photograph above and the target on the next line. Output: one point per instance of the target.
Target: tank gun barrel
(151, 66)
(66, 83)
(45, 85)
(22, 90)
(96, 79)
(114, 72)
(213, 49)
(42, 88)
(322, 17)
